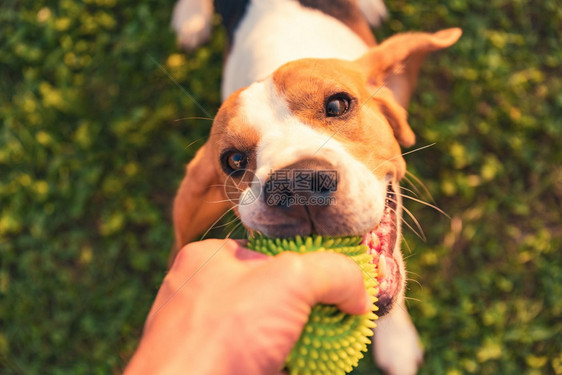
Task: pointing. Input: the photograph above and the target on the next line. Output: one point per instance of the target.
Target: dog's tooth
(383, 270)
(383, 285)
(374, 242)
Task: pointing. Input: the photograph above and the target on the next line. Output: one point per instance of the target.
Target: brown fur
(380, 84)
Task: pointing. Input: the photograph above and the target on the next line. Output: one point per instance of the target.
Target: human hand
(224, 309)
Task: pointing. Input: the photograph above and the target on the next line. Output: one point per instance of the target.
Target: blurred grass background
(92, 148)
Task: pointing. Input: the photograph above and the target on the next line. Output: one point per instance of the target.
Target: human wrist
(200, 351)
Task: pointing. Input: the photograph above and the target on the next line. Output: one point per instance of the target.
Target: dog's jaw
(383, 243)
(284, 139)
(366, 202)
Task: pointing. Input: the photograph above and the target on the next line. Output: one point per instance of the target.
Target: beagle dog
(308, 137)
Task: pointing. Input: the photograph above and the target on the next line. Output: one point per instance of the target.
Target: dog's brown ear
(397, 117)
(395, 64)
(200, 200)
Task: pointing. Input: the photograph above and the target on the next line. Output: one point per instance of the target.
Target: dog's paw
(191, 20)
(373, 10)
(397, 348)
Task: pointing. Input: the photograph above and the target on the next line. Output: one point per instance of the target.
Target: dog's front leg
(397, 347)
(191, 20)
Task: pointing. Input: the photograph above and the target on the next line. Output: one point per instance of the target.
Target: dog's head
(315, 148)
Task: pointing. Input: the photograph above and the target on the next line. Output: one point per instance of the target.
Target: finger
(336, 279)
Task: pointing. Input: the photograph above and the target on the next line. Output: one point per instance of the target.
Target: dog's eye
(233, 161)
(337, 105)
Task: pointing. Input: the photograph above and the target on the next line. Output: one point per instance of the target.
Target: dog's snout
(310, 182)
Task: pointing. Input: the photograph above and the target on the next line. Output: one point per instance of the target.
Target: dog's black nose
(309, 182)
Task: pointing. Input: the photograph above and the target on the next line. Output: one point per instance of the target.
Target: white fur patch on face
(275, 32)
(285, 139)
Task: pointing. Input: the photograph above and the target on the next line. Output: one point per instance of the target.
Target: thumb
(335, 279)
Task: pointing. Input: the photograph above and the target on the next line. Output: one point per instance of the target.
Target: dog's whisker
(418, 149)
(421, 233)
(417, 180)
(187, 93)
(236, 221)
(403, 154)
(193, 118)
(226, 224)
(421, 237)
(413, 299)
(413, 273)
(413, 218)
(225, 186)
(192, 143)
(216, 221)
(411, 183)
(223, 201)
(408, 256)
(409, 248)
(426, 204)
(233, 229)
(408, 190)
(414, 280)
(383, 162)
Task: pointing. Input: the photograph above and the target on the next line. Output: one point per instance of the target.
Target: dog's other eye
(233, 161)
(337, 105)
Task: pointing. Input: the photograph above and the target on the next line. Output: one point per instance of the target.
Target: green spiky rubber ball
(331, 342)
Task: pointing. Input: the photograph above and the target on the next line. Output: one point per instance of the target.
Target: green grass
(91, 152)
